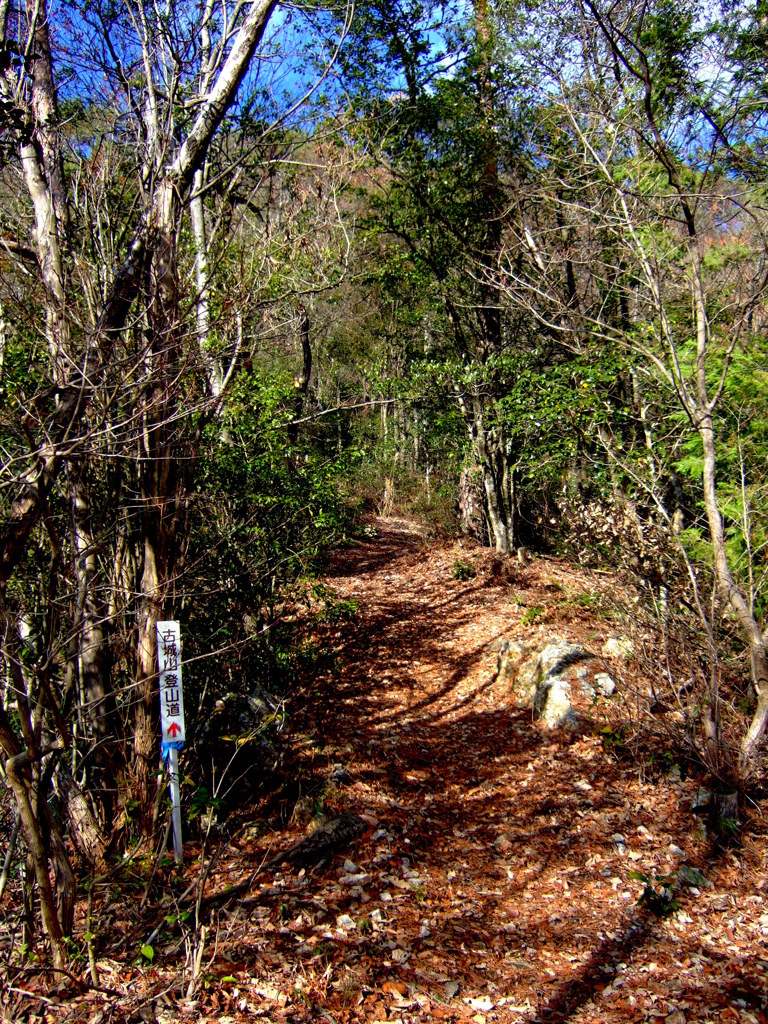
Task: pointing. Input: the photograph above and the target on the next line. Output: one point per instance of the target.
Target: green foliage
(659, 894)
(554, 408)
(265, 506)
(182, 918)
(668, 37)
(531, 615)
(463, 570)
(728, 828)
(742, 437)
(343, 610)
(202, 801)
(613, 739)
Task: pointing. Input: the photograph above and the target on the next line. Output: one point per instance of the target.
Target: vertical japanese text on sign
(171, 696)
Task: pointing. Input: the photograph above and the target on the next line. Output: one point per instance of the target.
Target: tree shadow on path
(501, 856)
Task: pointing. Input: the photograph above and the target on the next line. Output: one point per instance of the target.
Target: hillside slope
(498, 874)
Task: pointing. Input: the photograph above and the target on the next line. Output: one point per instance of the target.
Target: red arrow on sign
(173, 729)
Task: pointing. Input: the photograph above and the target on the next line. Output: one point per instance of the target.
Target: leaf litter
(497, 876)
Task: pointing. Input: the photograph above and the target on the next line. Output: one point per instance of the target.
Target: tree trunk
(158, 471)
(301, 382)
(85, 831)
(28, 927)
(498, 484)
(15, 768)
(64, 877)
(146, 713)
(93, 653)
(29, 787)
(158, 490)
(211, 359)
(470, 503)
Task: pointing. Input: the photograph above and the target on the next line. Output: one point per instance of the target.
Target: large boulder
(537, 678)
(543, 667)
(511, 656)
(552, 704)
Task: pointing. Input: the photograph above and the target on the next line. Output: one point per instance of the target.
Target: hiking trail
(499, 872)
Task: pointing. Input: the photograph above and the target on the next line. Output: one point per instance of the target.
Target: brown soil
(497, 879)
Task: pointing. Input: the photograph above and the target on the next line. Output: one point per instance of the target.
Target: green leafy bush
(463, 570)
(532, 614)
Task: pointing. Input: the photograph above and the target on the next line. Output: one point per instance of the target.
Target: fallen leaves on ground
(498, 878)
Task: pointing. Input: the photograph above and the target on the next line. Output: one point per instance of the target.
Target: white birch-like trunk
(725, 580)
(211, 360)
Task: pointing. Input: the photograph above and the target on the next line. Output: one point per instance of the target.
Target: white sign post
(172, 716)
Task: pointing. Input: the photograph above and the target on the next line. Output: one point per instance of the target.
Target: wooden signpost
(171, 716)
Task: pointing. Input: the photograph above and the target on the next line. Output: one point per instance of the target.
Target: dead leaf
(395, 988)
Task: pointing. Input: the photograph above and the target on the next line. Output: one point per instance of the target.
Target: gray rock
(359, 879)
(604, 685)
(544, 667)
(538, 678)
(261, 704)
(559, 655)
(616, 647)
(702, 801)
(552, 704)
(527, 681)
(511, 655)
(541, 669)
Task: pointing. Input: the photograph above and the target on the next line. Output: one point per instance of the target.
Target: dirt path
(497, 879)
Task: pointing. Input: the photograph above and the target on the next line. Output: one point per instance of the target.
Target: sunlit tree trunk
(211, 359)
(492, 450)
(159, 478)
